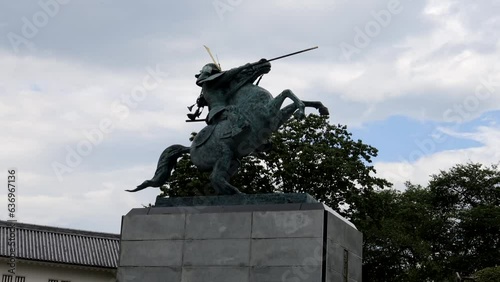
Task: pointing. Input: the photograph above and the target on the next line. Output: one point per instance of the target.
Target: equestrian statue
(241, 118)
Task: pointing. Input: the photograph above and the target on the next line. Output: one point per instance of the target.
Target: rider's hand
(265, 65)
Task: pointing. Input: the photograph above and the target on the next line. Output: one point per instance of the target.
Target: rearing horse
(214, 150)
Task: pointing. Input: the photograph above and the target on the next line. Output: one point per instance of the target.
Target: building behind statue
(52, 254)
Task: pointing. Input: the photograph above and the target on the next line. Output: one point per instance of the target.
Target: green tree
(399, 232)
(468, 195)
(309, 155)
(429, 233)
(489, 274)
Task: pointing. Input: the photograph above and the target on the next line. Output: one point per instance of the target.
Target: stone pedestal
(288, 242)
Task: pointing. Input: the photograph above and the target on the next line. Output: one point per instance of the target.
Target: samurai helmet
(208, 72)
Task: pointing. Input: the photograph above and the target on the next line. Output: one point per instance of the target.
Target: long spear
(281, 57)
(294, 53)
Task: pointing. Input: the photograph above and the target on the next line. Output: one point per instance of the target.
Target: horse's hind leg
(224, 168)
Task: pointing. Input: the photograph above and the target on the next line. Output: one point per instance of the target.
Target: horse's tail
(166, 163)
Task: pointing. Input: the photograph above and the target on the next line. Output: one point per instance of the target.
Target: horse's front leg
(275, 104)
(287, 112)
(317, 105)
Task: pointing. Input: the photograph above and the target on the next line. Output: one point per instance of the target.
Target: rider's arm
(229, 74)
(251, 68)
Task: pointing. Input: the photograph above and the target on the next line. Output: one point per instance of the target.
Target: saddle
(227, 130)
(203, 135)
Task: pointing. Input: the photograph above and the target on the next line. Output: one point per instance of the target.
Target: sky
(91, 92)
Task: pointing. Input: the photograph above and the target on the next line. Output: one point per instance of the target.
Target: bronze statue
(242, 116)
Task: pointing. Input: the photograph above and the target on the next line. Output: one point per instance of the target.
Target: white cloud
(84, 198)
(318, 5)
(72, 100)
(418, 171)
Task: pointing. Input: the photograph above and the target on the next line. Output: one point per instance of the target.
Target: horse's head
(208, 72)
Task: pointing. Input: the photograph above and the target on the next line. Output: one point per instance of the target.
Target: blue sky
(93, 91)
(396, 137)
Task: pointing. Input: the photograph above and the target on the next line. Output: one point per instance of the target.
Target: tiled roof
(61, 245)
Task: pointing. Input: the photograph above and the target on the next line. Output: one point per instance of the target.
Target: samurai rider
(218, 87)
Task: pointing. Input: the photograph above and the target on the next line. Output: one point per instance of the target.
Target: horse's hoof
(324, 111)
(299, 115)
(235, 191)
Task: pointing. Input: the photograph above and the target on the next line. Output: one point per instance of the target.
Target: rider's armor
(216, 87)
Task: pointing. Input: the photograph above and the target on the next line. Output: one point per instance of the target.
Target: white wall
(42, 272)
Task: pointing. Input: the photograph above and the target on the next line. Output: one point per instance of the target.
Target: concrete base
(236, 200)
(248, 243)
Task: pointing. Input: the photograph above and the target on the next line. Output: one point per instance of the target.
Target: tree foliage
(430, 233)
(489, 274)
(468, 195)
(321, 159)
